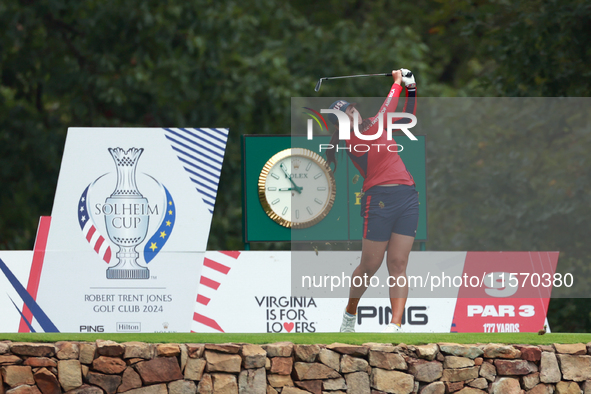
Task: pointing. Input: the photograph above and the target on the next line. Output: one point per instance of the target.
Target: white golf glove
(408, 79)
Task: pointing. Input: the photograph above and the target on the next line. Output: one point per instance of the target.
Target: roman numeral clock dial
(296, 188)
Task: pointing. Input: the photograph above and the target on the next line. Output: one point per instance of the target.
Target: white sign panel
(129, 229)
(251, 292)
(15, 267)
(263, 292)
(242, 292)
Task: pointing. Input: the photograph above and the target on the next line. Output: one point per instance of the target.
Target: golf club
(317, 88)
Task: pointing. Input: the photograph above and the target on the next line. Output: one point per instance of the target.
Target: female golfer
(390, 204)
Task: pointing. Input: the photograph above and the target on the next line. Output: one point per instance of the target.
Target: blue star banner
(158, 240)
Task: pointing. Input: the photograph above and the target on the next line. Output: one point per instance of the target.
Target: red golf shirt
(378, 165)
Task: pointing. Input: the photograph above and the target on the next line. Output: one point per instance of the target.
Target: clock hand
(289, 188)
(297, 188)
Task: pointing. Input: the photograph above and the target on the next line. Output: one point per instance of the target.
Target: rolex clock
(297, 188)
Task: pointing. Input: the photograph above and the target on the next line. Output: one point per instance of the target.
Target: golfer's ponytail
(331, 153)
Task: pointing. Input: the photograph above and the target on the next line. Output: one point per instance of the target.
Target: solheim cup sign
(126, 214)
(129, 230)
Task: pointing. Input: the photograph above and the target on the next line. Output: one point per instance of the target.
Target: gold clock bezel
(301, 152)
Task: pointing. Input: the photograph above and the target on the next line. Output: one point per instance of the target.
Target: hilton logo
(126, 216)
(129, 327)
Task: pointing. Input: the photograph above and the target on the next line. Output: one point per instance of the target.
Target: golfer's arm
(391, 101)
(410, 104)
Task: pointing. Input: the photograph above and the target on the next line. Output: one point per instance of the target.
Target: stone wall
(142, 368)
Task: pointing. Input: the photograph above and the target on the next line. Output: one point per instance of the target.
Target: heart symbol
(288, 326)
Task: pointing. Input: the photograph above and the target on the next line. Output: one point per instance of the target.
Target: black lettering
(92, 329)
(283, 302)
(261, 301)
(365, 312)
(417, 319)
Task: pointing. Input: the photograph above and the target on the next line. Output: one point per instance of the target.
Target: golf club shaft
(361, 75)
(317, 88)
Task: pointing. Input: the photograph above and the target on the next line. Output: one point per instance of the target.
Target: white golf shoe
(348, 324)
(392, 328)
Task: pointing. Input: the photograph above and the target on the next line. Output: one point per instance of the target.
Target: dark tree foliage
(229, 64)
(528, 48)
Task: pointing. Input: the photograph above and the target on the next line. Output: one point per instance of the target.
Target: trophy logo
(126, 217)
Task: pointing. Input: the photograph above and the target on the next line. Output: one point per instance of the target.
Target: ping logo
(92, 328)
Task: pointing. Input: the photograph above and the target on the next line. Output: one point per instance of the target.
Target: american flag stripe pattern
(100, 244)
(201, 152)
(215, 268)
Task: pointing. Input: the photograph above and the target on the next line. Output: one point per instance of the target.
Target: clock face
(296, 188)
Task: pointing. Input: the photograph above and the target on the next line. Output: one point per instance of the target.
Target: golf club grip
(390, 74)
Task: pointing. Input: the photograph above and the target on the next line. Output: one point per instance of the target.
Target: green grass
(307, 338)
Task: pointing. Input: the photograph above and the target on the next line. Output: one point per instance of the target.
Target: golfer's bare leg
(398, 250)
(372, 255)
